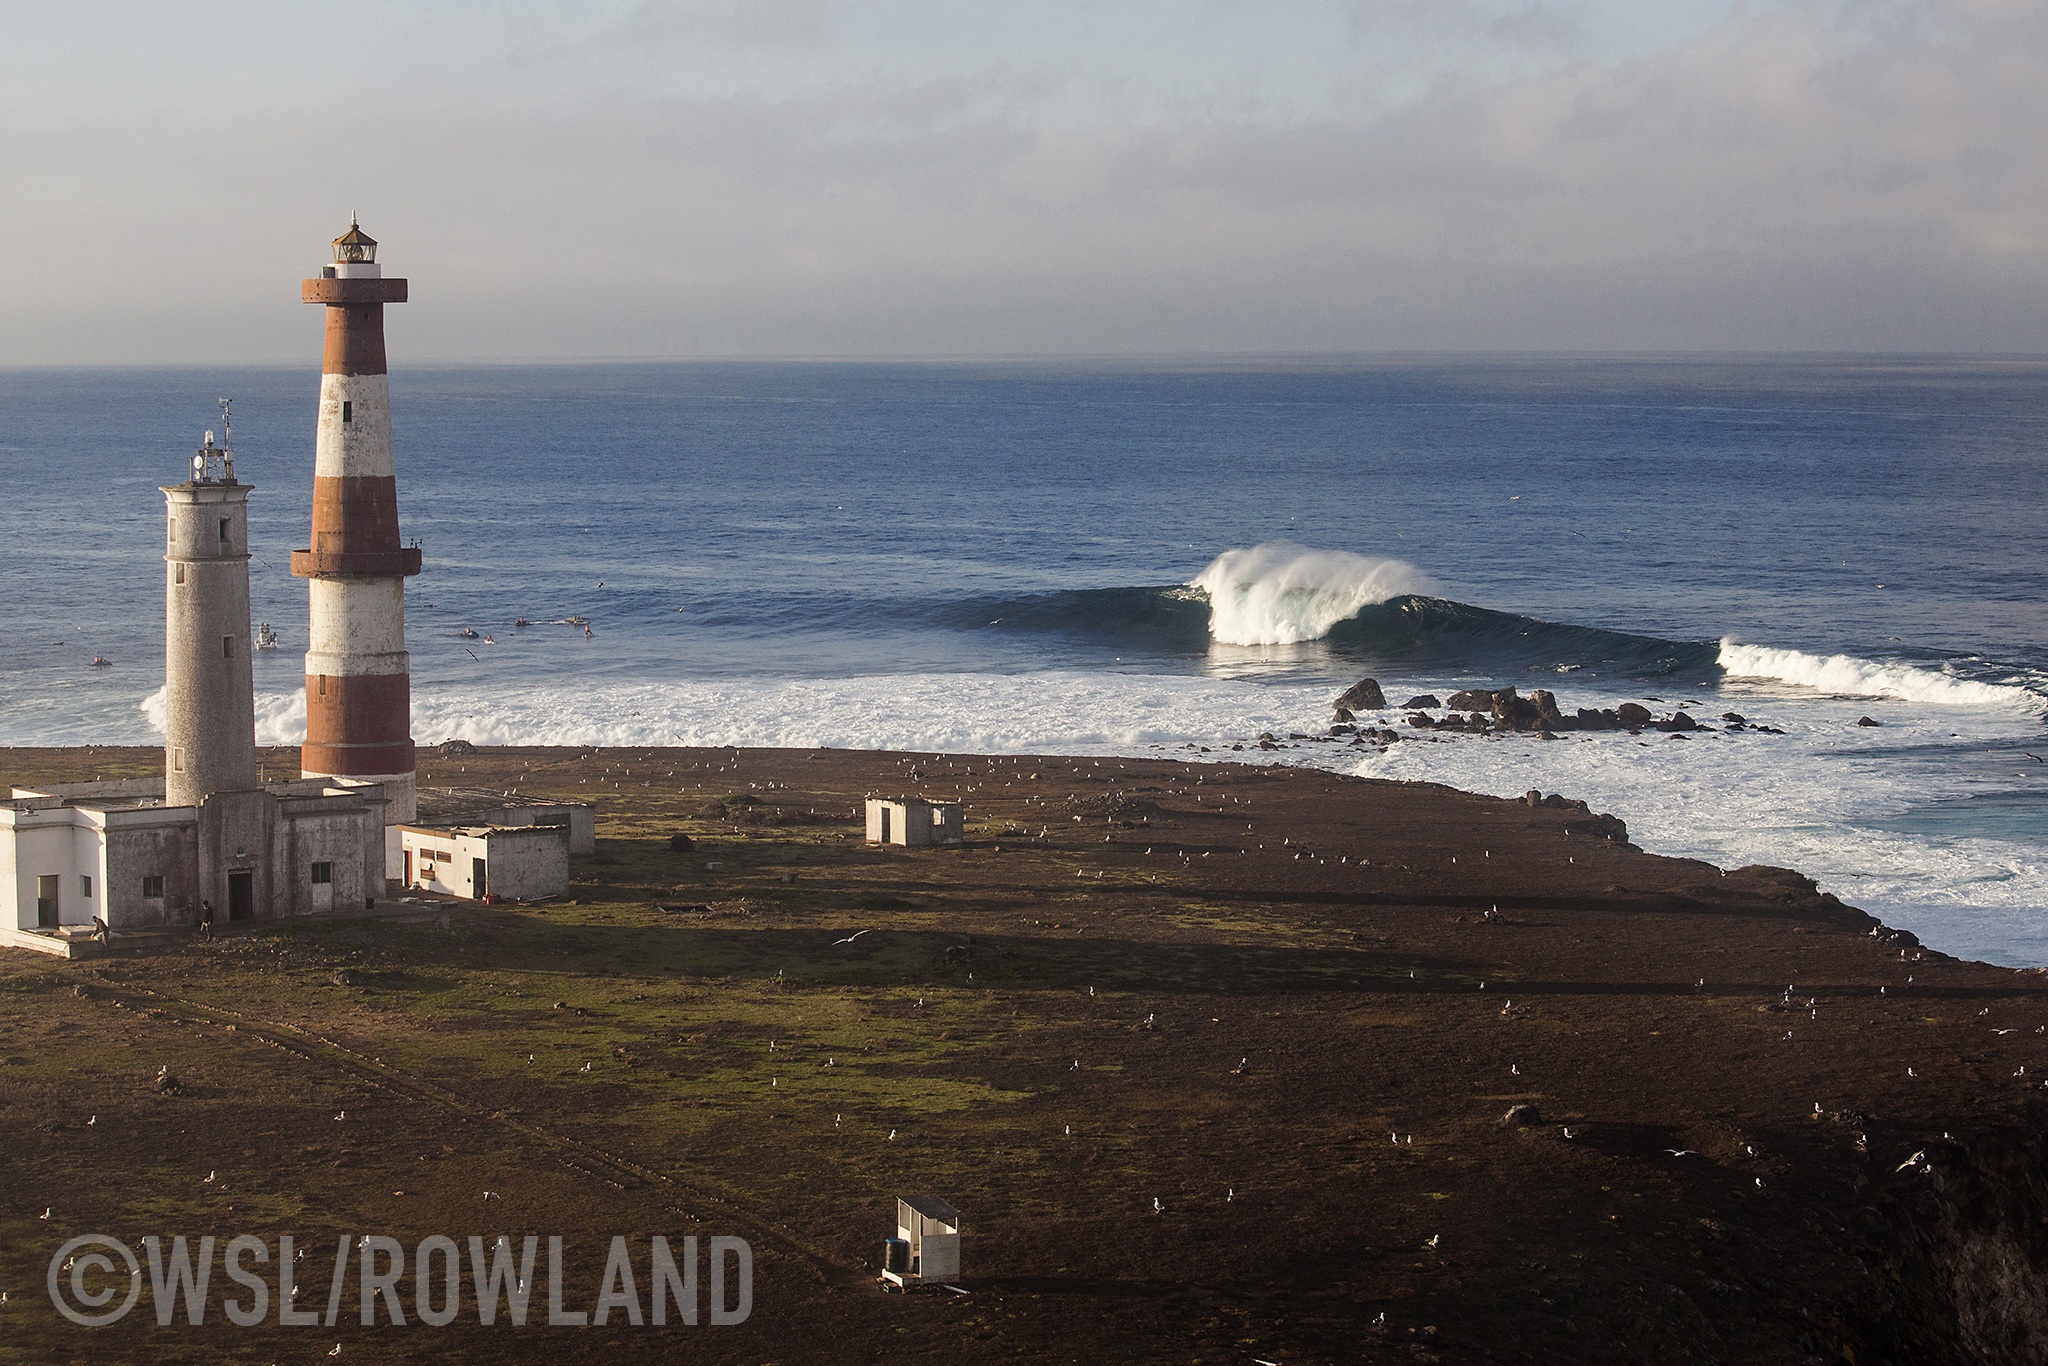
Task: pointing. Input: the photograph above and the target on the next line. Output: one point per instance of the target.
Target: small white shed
(913, 820)
(927, 1242)
(513, 863)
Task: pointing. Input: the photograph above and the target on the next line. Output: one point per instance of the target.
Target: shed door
(46, 903)
(476, 877)
(885, 825)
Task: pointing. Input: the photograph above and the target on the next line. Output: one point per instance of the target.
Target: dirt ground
(1213, 1058)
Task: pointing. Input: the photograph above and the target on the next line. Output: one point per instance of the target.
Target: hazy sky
(596, 178)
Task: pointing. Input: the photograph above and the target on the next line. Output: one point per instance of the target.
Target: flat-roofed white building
(513, 863)
(913, 820)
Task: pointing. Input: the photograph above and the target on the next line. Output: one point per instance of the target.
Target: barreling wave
(1282, 594)
(1867, 678)
(1421, 632)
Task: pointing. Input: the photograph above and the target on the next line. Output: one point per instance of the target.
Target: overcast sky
(609, 178)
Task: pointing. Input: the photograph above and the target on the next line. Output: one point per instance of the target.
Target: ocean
(1162, 558)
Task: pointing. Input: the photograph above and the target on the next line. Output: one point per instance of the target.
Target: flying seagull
(850, 938)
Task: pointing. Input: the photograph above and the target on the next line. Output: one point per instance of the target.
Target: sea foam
(1279, 593)
(1867, 678)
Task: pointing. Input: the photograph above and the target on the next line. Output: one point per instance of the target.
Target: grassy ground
(1270, 1004)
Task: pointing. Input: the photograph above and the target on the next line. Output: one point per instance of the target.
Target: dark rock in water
(1546, 709)
(1343, 714)
(1516, 713)
(1735, 717)
(1420, 722)
(1389, 736)
(1678, 721)
(1521, 1116)
(679, 841)
(1364, 695)
(1426, 700)
(1866, 721)
(1589, 719)
(1473, 699)
(1343, 730)
(1632, 716)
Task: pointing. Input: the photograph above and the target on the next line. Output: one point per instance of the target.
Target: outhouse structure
(927, 1243)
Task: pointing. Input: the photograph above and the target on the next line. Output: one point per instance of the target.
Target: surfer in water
(522, 622)
(99, 663)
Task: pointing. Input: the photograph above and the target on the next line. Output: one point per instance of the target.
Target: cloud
(1777, 176)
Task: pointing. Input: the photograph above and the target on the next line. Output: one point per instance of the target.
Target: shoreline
(1639, 1105)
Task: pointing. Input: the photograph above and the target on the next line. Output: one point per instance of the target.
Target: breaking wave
(1867, 678)
(1282, 594)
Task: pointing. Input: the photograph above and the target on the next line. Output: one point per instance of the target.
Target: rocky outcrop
(1364, 695)
(1632, 716)
(1473, 699)
(1426, 701)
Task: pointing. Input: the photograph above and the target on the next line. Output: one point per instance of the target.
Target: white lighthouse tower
(209, 690)
(358, 673)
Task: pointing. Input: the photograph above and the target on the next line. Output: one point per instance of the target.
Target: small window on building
(323, 685)
(85, 886)
(443, 856)
(178, 759)
(322, 872)
(348, 411)
(227, 647)
(178, 573)
(152, 886)
(223, 531)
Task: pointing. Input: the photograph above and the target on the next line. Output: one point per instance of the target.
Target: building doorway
(46, 903)
(476, 877)
(885, 825)
(408, 867)
(242, 895)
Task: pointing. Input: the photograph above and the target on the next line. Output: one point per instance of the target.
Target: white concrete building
(513, 863)
(913, 820)
(154, 853)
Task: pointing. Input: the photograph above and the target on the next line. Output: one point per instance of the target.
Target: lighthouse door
(241, 896)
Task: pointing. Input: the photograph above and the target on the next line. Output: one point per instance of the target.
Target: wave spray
(1279, 593)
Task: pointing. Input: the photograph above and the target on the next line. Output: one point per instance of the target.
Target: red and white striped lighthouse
(358, 675)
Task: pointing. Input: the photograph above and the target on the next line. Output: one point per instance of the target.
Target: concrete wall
(151, 842)
(54, 840)
(581, 820)
(527, 864)
(333, 832)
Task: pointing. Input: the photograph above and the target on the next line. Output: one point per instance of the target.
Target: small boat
(99, 663)
(266, 639)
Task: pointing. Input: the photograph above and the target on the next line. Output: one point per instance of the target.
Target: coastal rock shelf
(1226, 1061)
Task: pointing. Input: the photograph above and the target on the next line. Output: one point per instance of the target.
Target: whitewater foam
(1280, 594)
(1867, 678)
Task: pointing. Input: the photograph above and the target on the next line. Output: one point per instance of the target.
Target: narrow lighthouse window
(227, 647)
(180, 571)
(223, 531)
(347, 410)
